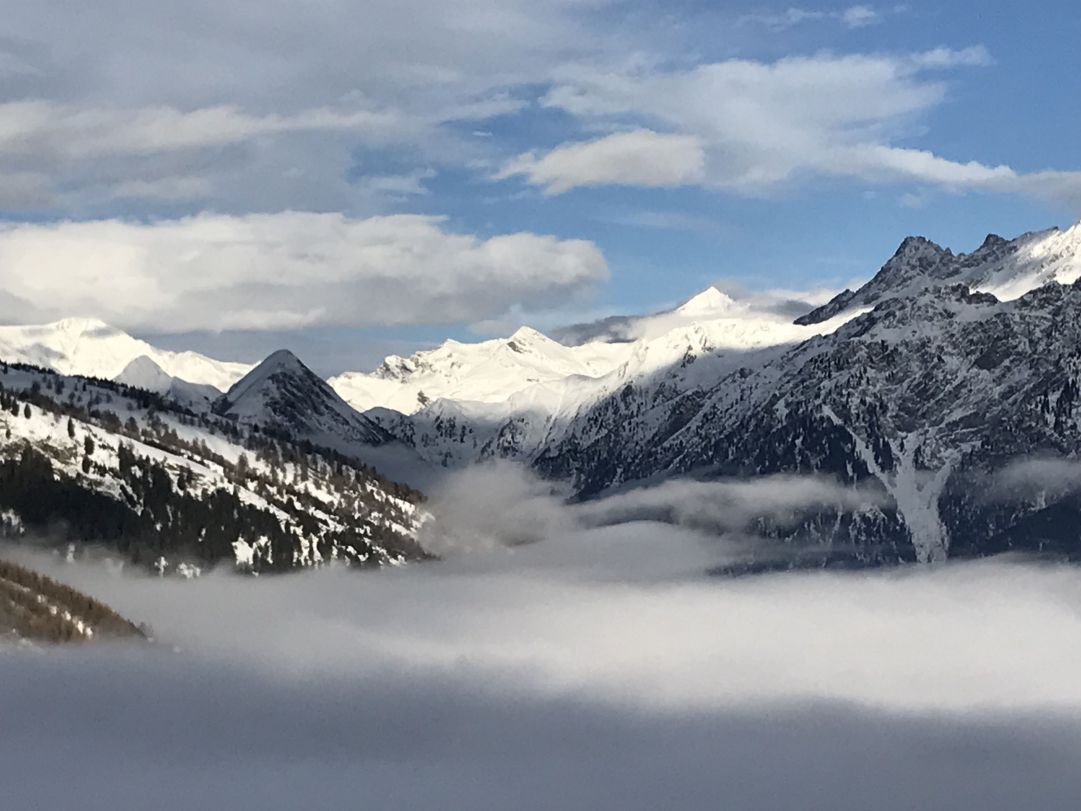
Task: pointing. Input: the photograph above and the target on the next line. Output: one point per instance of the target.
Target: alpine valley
(930, 386)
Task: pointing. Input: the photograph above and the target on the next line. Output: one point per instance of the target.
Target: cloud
(726, 511)
(285, 271)
(858, 16)
(67, 132)
(758, 126)
(497, 680)
(1048, 478)
(729, 505)
(198, 108)
(93, 103)
(466, 522)
(637, 158)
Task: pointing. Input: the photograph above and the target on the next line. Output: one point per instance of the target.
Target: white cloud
(860, 16)
(637, 158)
(285, 271)
(92, 103)
(585, 671)
(783, 19)
(857, 16)
(593, 668)
(78, 133)
(760, 125)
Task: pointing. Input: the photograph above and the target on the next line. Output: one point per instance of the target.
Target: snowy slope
(92, 348)
(143, 373)
(484, 372)
(283, 394)
(708, 336)
(191, 490)
(529, 371)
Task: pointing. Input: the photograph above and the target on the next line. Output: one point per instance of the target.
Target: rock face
(932, 397)
(947, 373)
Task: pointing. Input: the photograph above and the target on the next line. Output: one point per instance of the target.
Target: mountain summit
(1005, 268)
(283, 394)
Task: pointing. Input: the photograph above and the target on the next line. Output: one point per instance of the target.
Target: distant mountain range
(930, 382)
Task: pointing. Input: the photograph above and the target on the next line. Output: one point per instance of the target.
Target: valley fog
(590, 667)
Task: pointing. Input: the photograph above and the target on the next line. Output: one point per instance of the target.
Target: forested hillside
(86, 461)
(38, 608)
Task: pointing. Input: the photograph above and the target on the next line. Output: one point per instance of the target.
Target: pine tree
(26, 411)
(71, 428)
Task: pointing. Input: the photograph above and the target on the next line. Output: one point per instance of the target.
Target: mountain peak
(992, 241)
(256, 382)
(710, 300)
(919, 246)
(283, 393)
(281, 359)
(144, 373)
(81, 325)
(527, 334)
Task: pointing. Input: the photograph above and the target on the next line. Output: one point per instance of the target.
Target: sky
(352, 179)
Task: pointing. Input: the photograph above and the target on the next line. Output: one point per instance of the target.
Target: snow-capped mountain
(529, 370)
(484, 372)
(521, 415)
(92, 348)
(922, 383)
(927, 385)
(143, 373)
(1005, 269)
(284, 395)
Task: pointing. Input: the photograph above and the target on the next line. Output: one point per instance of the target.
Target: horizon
(314, 350)
(515, 164)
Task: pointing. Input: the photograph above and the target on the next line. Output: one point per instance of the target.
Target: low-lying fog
(584, 666)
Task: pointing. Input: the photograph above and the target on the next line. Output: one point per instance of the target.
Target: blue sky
(354, 178)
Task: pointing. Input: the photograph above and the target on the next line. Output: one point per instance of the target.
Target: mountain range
(933, 384)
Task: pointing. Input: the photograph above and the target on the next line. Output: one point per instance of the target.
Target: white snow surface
(529, 372)
(143, 373)
(1040, 258)
(89, 347)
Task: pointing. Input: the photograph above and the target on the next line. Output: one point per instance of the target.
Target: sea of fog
(553, 660)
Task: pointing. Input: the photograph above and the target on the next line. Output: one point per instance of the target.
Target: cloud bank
(283, 271)
(500, 679)
(558, 663)
(752, 127)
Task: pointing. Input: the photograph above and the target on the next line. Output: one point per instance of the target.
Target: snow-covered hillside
(179, 490)
(143, 373)
(284, 395)
(34, 608)
(529, 372)
(92, 348)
